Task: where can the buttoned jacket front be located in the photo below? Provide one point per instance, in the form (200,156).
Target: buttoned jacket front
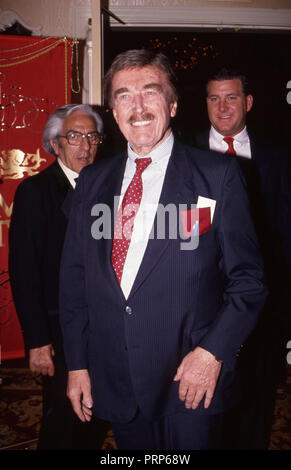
(209,296)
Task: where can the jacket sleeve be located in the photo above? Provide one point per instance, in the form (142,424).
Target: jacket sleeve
(241,267)
(27,235)
(72,297)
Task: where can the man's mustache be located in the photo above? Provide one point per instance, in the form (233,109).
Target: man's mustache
(141,117)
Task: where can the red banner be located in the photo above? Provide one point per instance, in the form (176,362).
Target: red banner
(35,79)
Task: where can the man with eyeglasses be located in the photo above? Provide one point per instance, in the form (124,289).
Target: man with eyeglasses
(38,224)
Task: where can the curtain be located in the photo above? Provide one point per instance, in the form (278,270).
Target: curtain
(35,79)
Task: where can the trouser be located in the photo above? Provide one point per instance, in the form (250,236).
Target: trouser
(180,431)
(60,427)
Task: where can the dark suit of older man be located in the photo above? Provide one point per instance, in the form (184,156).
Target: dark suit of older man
(154,350)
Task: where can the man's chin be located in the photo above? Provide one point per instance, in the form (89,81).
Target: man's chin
(83,163)
(224,130)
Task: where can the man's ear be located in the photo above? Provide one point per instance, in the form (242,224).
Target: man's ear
(173,108)
(55,145)
(114,115)
(250,101)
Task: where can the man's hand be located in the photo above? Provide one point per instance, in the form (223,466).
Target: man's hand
(198,374)
(79,393)
(41,360)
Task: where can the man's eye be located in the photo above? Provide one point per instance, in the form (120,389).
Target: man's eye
(213,99)
(72,135)
(124,97)
(232,97)
(149,92)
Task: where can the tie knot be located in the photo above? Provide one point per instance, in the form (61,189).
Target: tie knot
(142,164)
(229,141)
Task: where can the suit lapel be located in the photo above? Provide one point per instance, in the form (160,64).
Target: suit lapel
(62,181)
(64,188)
(179,177)
(110,189)
(67,203)
(202,141)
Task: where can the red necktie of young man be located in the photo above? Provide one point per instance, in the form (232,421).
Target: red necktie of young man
(229,141)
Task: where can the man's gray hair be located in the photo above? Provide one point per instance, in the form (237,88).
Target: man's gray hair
(137,58)
(54,124)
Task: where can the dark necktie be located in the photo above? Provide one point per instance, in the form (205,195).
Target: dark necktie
(125,218)
(229,141)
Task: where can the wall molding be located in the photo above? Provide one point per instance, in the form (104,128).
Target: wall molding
(9,17)
(81,15)
(201,17)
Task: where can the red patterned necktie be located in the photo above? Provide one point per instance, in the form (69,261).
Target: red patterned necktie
(229,141)
(125,218)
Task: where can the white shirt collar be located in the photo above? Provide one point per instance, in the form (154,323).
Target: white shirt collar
(241,142)
(70,174)
(159,153)
(242,137)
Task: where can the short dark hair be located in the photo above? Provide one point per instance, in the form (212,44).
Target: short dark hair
(226,73)
(137,58)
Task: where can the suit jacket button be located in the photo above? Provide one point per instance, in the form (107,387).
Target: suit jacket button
(128,310)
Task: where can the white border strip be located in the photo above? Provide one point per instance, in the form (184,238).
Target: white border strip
(252,18)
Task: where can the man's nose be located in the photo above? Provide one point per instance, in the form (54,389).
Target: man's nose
(85,143)
(138,102)
(222,105)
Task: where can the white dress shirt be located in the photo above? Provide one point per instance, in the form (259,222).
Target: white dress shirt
(70,174)
(153,179)
(241,143)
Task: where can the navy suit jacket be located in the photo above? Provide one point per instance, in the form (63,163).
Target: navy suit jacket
(268,175)
(210,296)
(36,236)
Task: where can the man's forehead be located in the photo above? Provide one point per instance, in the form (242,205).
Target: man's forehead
(228,85)
(79,119)
(131,74)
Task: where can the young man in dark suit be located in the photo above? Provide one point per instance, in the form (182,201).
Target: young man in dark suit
(153,317)
(38,224)
(267,172)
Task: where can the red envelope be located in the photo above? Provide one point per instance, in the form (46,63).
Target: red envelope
(191,217)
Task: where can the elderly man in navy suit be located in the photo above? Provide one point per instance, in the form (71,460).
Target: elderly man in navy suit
(37,231)
(267,172)
(154,317)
